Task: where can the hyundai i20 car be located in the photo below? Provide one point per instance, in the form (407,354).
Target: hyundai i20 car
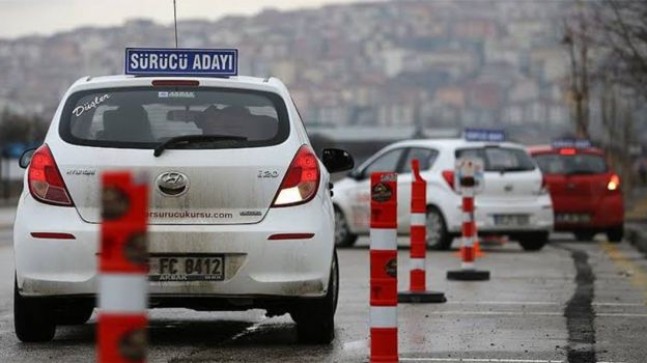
(514,201)
(586,193)
(232,178)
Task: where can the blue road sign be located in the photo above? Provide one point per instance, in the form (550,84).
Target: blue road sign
(182,62)
(571,143)
(491,135)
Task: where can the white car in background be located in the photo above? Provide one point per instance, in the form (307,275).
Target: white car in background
(234,184)
(514,201)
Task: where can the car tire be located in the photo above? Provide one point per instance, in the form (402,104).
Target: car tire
(315,319)
(76,314)
(343,236)
(34,319)
(584,236)
(436,234)
(533,241)
(616,234)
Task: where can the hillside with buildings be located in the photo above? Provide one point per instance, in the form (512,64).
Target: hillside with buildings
(405,64)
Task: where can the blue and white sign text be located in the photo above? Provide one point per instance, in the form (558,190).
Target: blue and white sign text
(182,62)
(571,143)
(490,135)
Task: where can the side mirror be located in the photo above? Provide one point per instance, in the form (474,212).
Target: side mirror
(337,160)
(25,158)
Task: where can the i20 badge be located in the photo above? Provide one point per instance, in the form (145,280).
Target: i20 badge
(172,183)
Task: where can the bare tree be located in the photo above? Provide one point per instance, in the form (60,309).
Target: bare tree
(616,110)
(577,39)
(623,32)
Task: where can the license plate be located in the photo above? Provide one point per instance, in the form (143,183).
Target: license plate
(511,219)
(187,268)
(572,218)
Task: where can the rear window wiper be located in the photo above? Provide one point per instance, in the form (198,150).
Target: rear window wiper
(188,139)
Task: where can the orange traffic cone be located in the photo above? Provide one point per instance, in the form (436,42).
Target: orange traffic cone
(477,250)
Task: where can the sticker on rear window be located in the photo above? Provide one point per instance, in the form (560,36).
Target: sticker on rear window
(175,94)
(79,110)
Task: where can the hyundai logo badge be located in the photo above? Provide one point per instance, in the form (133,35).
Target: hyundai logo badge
(172,183)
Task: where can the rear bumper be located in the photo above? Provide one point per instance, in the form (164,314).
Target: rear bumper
(254,265)
(607,212)
(539,211)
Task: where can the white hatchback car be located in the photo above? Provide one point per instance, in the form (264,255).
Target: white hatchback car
(514,201)
(232,175)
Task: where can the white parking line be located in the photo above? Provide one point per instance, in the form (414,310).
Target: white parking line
(539,303)
(620,315)
(530,313)
(479,360)
(619,304)
(485,360)
(491,313)
(543,303)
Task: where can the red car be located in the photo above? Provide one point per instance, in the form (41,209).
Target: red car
(586,193)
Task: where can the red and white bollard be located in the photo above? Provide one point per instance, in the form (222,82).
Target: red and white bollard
(123,270)
(468,271)
(384,268)
(418,252)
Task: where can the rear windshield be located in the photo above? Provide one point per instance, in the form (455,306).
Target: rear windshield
(144,117)
(571,164)
(500,158)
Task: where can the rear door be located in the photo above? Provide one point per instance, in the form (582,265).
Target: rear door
(227,171)
(577,179)
(510,175)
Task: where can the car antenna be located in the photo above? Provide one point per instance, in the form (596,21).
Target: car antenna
(175,20)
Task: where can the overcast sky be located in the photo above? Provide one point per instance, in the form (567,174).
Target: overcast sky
(44,17)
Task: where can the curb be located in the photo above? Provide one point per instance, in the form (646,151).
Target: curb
(637,236)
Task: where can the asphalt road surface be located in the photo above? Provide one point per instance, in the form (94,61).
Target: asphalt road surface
(571,302)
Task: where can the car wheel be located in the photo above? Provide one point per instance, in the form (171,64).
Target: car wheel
(34,319)
(437,236)
(76,314)
(315,319)
(585,236)
(616,234)
(533,241)
(343,236)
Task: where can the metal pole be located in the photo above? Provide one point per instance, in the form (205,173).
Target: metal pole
(175,20)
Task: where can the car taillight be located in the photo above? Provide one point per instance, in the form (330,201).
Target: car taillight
(44,179)
(448,175)
(301,181)
(614,183)
(567,151)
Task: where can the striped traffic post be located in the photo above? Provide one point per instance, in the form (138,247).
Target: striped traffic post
(466,171)
(123,270)
(418,292)
(384,268)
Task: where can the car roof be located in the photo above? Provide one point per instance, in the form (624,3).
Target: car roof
(548,149)
(452,143)
(116,81)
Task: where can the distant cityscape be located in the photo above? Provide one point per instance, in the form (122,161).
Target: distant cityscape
(400,64)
